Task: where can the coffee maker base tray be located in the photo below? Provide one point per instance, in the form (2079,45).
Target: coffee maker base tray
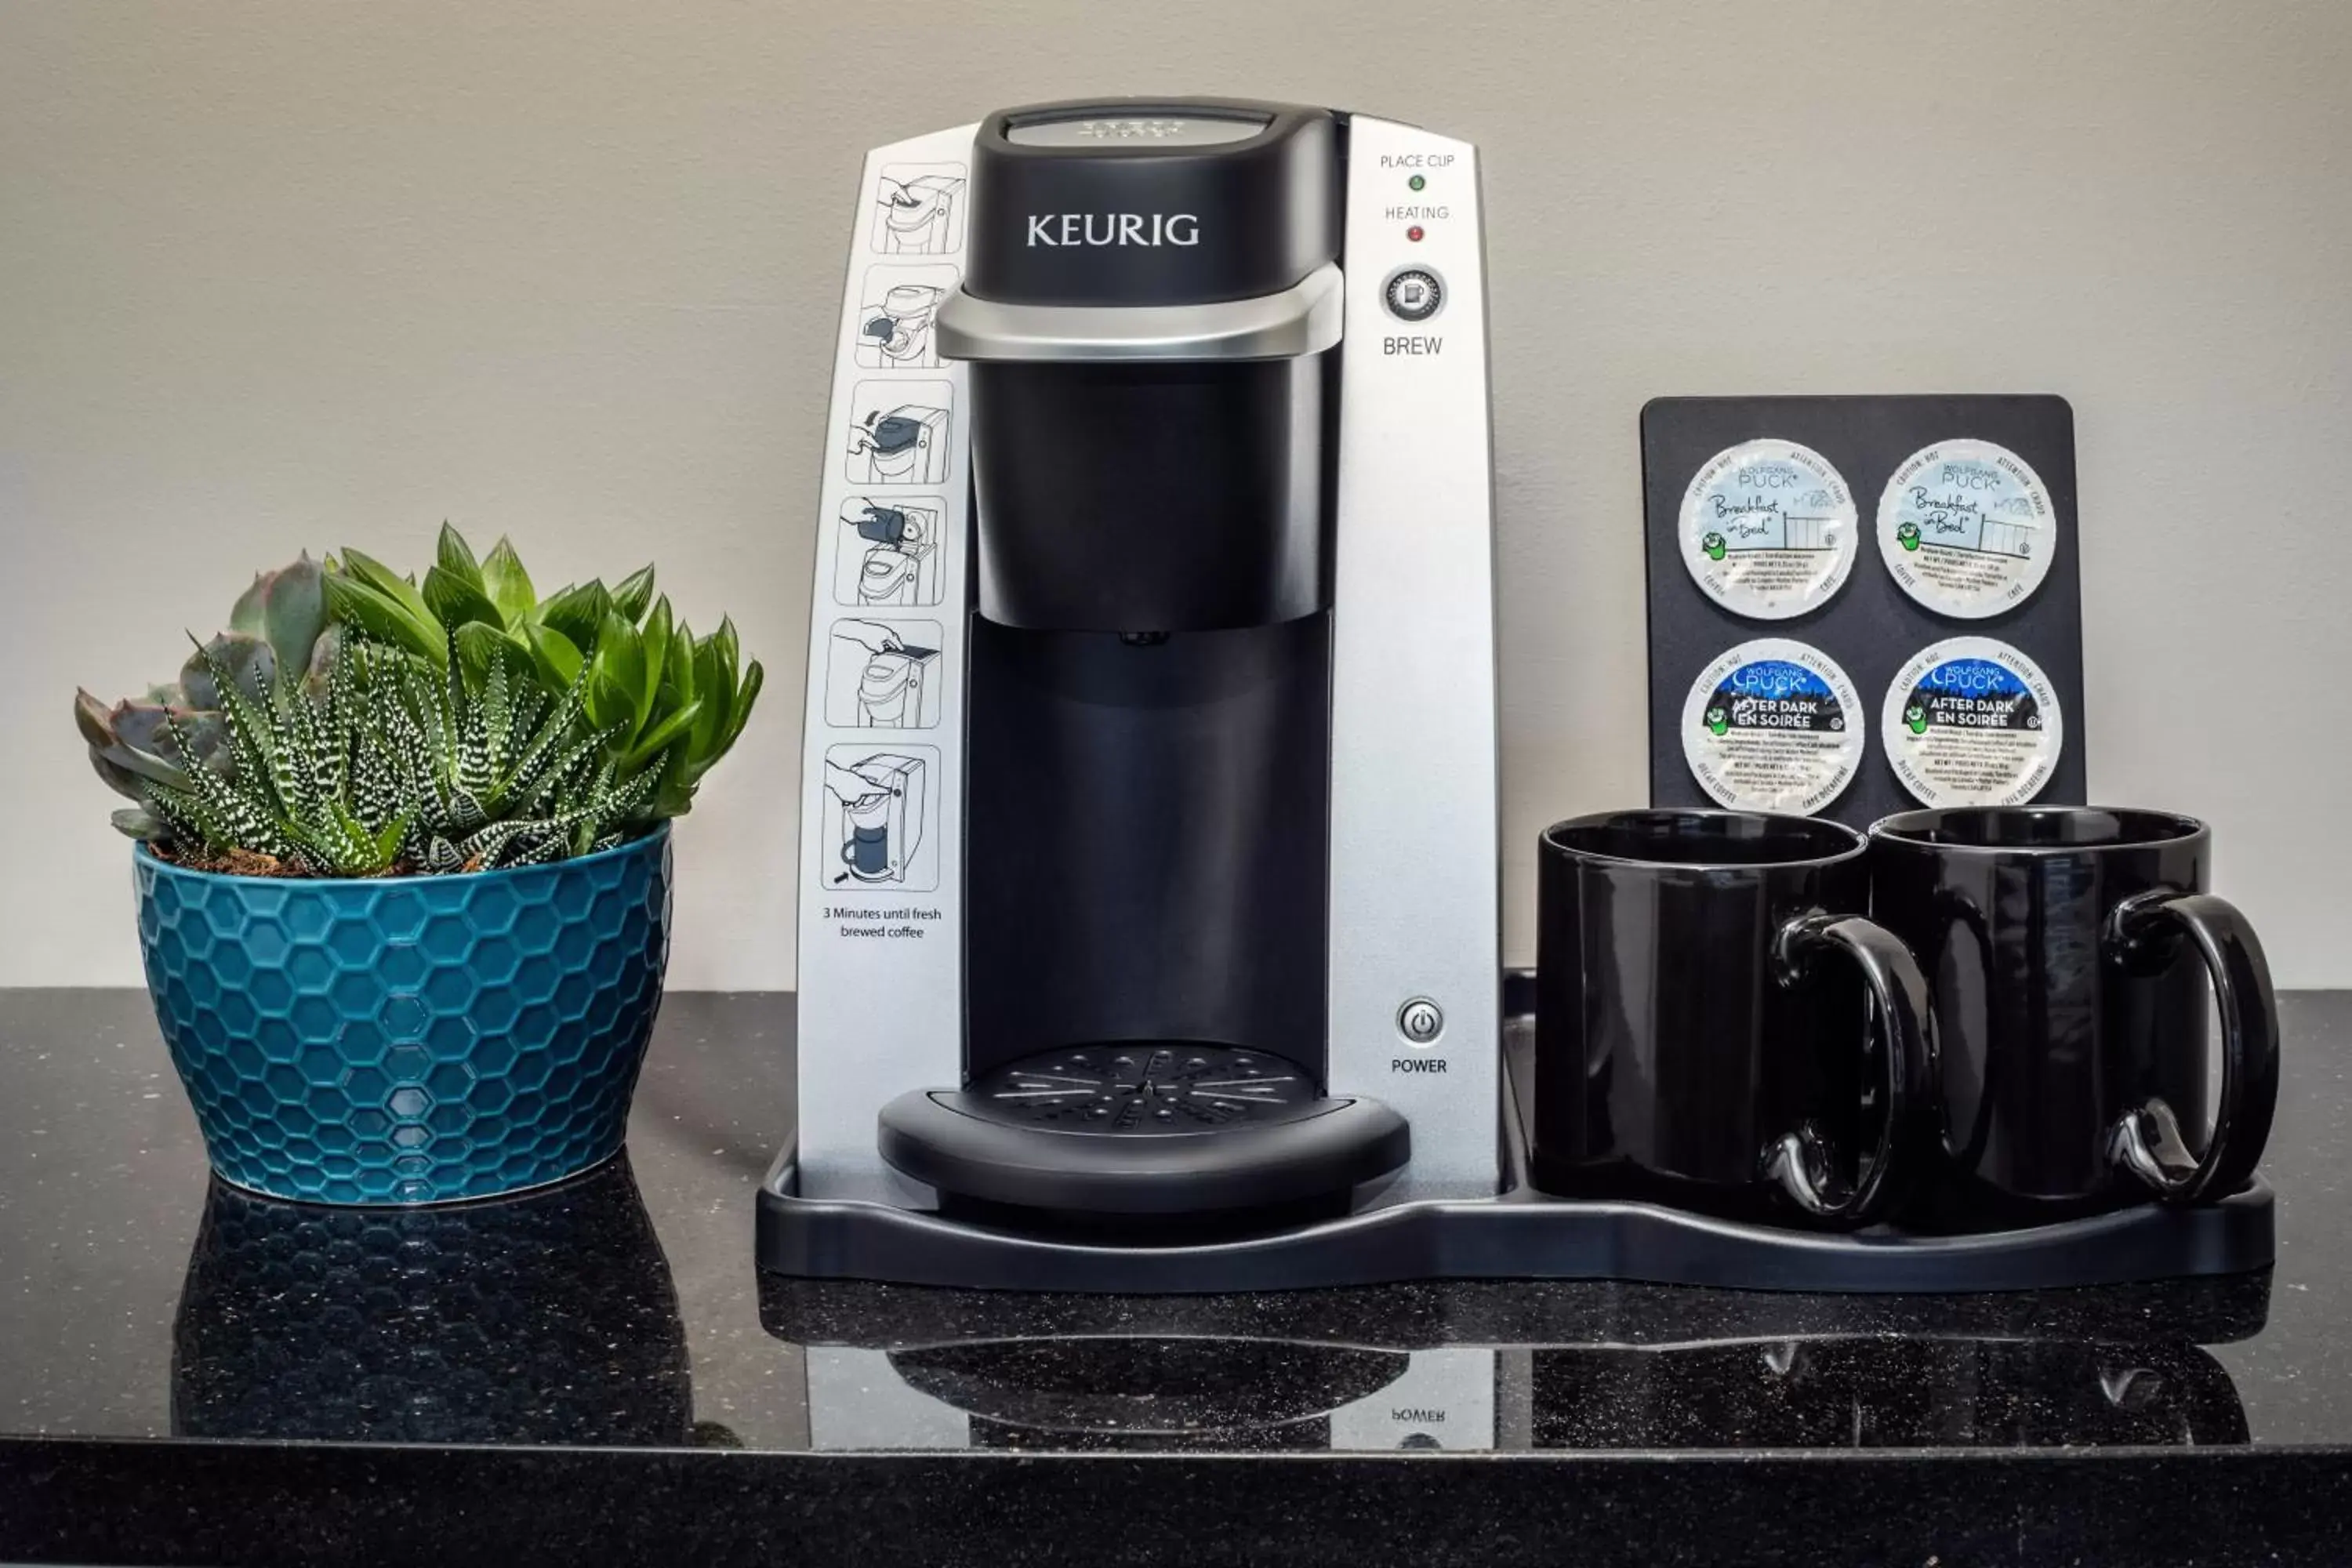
(1518,1235)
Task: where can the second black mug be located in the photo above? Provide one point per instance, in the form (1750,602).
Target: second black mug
(2067,949)
(1718,1026)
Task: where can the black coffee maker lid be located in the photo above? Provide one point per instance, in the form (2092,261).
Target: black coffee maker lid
(1151,201)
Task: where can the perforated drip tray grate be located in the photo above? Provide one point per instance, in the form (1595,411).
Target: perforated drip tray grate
(1172,1129)
(1145,1088)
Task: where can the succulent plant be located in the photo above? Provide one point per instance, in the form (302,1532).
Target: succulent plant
(351,721)
(394,765)
(279,623)
(666,700)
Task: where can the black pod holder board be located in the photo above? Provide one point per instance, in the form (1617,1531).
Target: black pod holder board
(1518,1233)
(1870,628)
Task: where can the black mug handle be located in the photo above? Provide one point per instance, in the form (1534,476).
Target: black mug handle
(2148,1140)
(1800,1158)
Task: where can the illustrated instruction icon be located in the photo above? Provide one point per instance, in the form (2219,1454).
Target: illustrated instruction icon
(883,675)
(900,433)
(895,318)
(877,818)
(918,209)
(889,552)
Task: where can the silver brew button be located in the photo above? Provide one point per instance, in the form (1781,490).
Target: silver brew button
(1413,294)
(1420,1021)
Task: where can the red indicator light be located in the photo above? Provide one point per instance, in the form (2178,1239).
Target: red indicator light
(1414,232)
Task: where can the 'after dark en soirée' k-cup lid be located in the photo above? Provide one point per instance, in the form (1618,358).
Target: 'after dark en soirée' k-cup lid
(1773,725)
(1971,722)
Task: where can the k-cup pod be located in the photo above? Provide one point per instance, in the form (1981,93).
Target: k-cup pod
(1972,721)
(1773,725)
(1768,529)
(1967,528)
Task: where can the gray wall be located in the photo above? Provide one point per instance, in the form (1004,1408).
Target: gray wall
(285,275)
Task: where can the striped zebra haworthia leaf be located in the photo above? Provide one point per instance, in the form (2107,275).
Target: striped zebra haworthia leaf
(394,766)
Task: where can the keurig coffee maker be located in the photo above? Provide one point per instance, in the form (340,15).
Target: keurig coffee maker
(1170,913)
(1155,946)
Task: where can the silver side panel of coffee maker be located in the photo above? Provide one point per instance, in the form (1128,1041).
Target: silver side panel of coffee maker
(880,892)
(1415,936)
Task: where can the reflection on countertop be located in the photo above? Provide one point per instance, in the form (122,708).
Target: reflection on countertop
(1495,1366)
(548,1318)
(622,1309)
(553,1318)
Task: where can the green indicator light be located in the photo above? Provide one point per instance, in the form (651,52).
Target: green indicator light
(1416,183)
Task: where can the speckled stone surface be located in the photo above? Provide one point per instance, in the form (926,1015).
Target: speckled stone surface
(596,1374)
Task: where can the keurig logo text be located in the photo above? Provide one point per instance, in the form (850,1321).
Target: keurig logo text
(1113,228)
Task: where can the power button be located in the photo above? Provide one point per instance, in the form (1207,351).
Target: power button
(1413,294)
(1420,1021)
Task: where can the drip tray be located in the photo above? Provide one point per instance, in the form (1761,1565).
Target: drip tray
(946,1138)
(1171,1129)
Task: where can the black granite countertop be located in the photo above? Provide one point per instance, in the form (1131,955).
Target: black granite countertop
(596,1372)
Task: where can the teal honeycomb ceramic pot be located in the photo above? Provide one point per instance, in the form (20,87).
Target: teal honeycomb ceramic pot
(409,1039)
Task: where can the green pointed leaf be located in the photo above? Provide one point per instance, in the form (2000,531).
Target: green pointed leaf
(673,798)
(745,696)
(657,646)
(678,666)
(616,681)
(660,737)
(612,701)
(635,591)
(479,645)
(507,585)
(388,843)
(557,655)
(578,612)
(364,605)
(718,698)
(136,822)
(452,555)
(729,656)
(384,580)
(455,602)
(345,840)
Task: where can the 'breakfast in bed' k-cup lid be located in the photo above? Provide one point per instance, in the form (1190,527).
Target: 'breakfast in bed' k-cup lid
(1773,725)
(1971,722)
(1768,529)
(1967,528)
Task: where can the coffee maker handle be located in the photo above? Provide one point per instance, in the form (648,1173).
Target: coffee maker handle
(1800,1160)
(2148,1141)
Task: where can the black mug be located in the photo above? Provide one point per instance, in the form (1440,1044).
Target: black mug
(1705,993)
(2068,950)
